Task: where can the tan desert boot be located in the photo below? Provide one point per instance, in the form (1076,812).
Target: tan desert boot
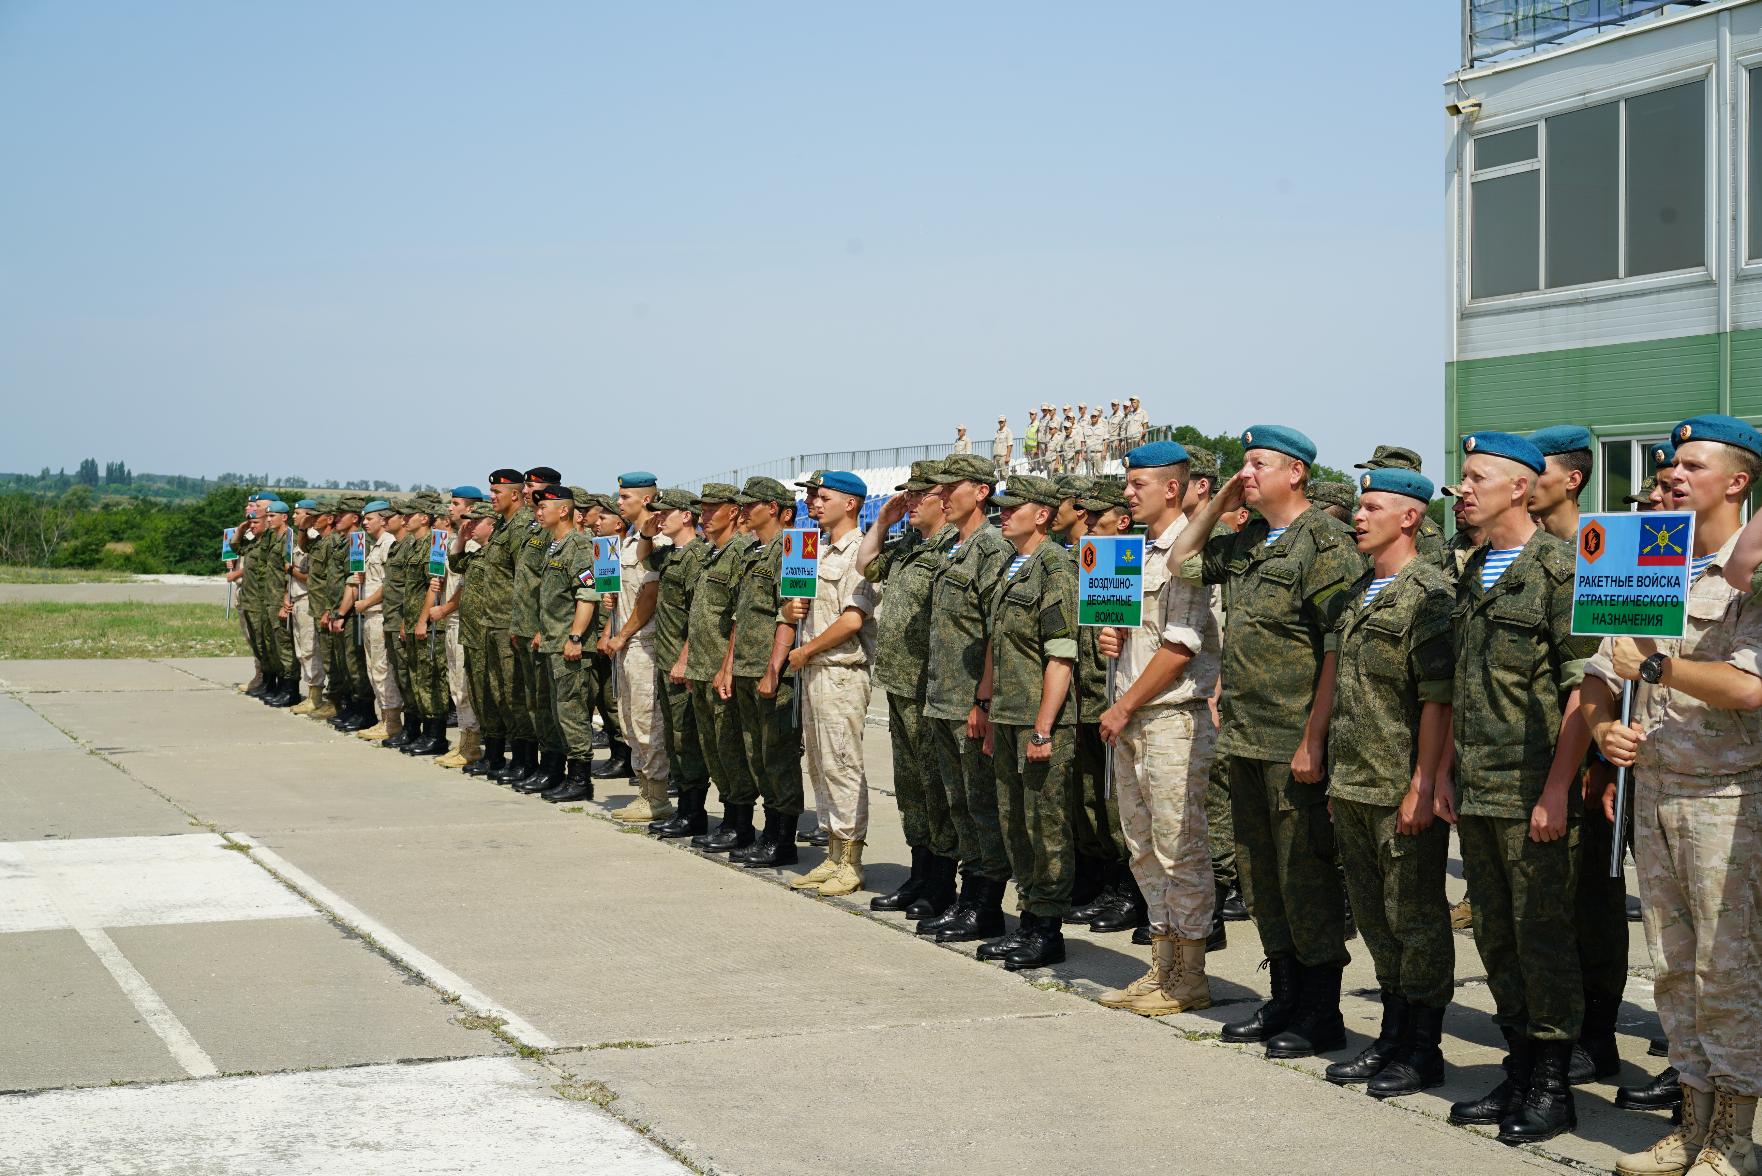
(326,708)
(651,805)
(1461,916)
(256,681)
(1672,1155)
(391,721)
(1120,998)
(1184,987)
(314,698)
(848,876)
(823,871)
(1728,1150)
(468,750)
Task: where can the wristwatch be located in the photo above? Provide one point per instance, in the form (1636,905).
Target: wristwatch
(1039,740)
(1652,669)
(575,638)
(983,704)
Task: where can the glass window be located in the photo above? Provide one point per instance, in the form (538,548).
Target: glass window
(1584,190)
(1492,151)
(1754,249)
(1507,231)
(1618,474)
(1666,180)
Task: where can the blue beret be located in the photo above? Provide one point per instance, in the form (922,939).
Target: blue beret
(1395,480)
(1155,455)
(1280,439)
(1723,429)
(277,506)
(1507,445)
(844,482)
(376,504)
(470,493)
(1556,439)
(306,504)
(1663,455)
(261,497)
(635,480)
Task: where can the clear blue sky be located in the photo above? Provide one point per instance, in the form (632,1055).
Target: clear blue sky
(417,241)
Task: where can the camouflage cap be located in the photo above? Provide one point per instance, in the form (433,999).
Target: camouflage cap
(673,498)
(403,505)
(762,489)
(482,510)
(965,467)
(715,492)
(432,505)
(351,503)
(598,498)
(1330,493)
(1201,462)
(1023,488)
(1643,496)
(1073,485)
(1104,494)
(1391,457)
(812,481)
(581,496)
(922,477)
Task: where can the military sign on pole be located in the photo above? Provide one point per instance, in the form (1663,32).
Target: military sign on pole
(1110,581)
(357,551)
(1632,580)
(227,554)
(608,573)
(799,578)
(438,542)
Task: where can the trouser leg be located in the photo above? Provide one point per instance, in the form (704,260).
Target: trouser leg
(1162,766)
(839,697)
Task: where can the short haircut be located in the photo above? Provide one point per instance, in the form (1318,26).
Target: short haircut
(1743,461)
(1579,461)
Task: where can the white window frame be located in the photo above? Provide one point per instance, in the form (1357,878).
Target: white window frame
(1624,285)
(1741,194)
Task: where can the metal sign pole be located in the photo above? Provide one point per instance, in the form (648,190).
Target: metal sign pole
(1113,670)
(1618,833)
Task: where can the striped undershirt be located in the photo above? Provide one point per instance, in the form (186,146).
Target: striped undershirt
(1497,562)
(1700,564)
(1272,535)
(1376,586)
(1015,565)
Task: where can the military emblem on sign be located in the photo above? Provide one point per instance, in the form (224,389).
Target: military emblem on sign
(1593,542)
(1664,544)
(1088,557)
(810,545)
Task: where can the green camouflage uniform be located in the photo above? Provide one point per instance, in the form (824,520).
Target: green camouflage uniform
(532,545)
(709,626)
(428,669)
(326,569)
(771,740)
(679,569)
(1516,663)
(1395,655)
(484,601)
(262,589)
(568,684)
(960,625)
(1220,823)
(1430,542)
(904,571)
(1284,603)
(405,579)
(1095,812)
(1033,622)
(354,633)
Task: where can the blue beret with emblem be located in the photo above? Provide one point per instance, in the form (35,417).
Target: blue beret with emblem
(378,504)
(277,506)
(1663,455)
(1557,439)
(1156,455)
(1723,429)
(469,493)
(1279,439)
(1395,480)
(636,480)
(1488,443)
(306,504)
(844,482)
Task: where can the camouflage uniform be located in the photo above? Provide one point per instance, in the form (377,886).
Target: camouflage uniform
(261,591)
(379,671)
(1395,655)
(1033,622)
(354,634)
(960,625)
(484,603)
(405,592)
(305,638)
(639,706)
(710,623)
(906,569)
(1094,447)
(428,653)
(678,570)
(1163,757)
(835,690)
(568,684)
(326,570)
(1095,810)
(1698,845)
(531,690)
(1283,602)
(1516,663)
(770,739)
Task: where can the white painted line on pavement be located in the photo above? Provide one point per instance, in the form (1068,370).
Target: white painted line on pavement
(420,963)
(192,1057)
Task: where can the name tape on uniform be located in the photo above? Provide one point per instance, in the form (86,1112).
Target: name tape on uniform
(357,551)
(1110,580)
(799,577)
(1632,578)
(608,573)
(438,541)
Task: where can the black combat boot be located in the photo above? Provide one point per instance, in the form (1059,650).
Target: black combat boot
(819,836)
(681,811)
(1594,1055)
(577,785)
(1318,1026)
(1271,1018)
(1041,947)
(736,831)
(689,818)
(1218,937)
(938,892)
(982,918)
(616,765)
(1102,899)
(407,733)
(1234,909)
(1420,1064)
(968,893)
(490,762)
(779,849)
(1492,1107)
(701,839)
(908,891)
(999,948)
(519,765)
(547,776)
(438,743)
(1128,910)
(1391,1039)
(261,688)
(1546,1109)
(760,841)
(288,695)
(452,716)
(1087,882)
(1663,1093)
(363,718)
(430,734)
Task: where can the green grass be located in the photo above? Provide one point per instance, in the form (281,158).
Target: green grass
(54,630)
(13,574)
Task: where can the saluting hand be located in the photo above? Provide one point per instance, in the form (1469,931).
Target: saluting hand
(1234,492)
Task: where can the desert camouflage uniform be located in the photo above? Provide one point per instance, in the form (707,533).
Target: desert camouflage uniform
(639,704)
(373,623)
(835,691)
(1395,655)
(305,636)
(1698,845)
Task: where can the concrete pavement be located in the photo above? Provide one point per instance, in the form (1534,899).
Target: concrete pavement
(193,885)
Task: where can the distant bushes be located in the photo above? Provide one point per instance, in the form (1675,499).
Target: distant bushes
(75,530)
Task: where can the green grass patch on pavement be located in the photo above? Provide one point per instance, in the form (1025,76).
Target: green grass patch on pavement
(132,629)
(13,574)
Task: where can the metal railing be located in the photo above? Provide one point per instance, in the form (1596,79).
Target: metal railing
(1492,29)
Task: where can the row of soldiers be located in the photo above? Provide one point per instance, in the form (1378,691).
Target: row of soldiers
(1082,443)
(1340,695)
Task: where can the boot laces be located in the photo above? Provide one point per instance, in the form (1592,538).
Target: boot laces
(1720,1128)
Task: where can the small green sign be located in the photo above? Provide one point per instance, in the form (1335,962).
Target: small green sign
(1110,581)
